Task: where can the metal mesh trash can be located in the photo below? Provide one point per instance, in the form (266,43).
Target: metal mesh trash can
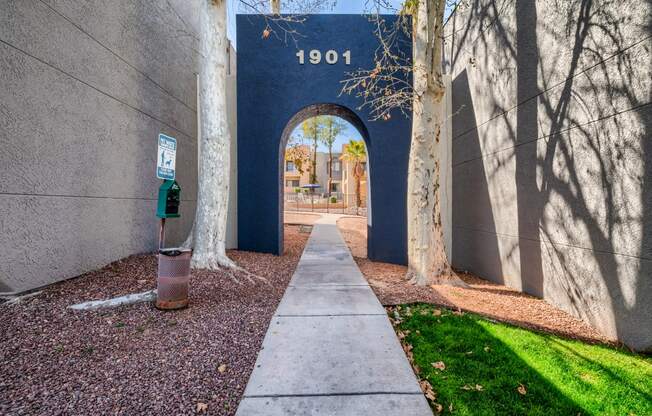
(173,278)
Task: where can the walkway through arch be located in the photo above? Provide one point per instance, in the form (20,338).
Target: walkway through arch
(304,114)
(276,91)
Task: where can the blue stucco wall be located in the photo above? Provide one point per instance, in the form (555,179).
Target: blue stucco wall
(273,87)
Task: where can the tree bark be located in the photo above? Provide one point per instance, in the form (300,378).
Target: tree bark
(427,261)
(214,159)
(358,200)
(313,173)
(330,170)
(276,6)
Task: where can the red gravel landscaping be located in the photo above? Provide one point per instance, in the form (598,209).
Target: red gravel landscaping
(137,359)
(483,297)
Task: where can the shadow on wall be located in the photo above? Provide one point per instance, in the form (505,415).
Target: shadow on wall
(644,291)
(564,97)
(471,191)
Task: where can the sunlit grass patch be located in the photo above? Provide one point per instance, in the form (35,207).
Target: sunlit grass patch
(480,367)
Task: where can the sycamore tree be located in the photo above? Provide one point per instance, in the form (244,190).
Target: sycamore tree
(313,130)
(208,234)
(383,89)
(333,126)
(297,153)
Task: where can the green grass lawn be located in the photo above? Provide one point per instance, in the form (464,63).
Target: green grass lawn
(486,363)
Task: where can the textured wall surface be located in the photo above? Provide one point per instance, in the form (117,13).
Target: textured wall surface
(552,154)
(85,89)
(231,98)
(273,89)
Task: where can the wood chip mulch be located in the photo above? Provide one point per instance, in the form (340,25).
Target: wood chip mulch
(300,218)
(137,359)
(492,300)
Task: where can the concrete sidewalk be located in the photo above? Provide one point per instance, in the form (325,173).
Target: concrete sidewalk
(330,349)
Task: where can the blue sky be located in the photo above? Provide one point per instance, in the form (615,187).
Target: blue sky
(340,7)
(349,133)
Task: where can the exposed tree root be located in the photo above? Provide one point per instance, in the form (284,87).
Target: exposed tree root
(224,263)
(449,279)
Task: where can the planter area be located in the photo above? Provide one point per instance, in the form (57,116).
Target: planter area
(136,359)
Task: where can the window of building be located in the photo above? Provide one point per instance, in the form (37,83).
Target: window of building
(335,187)
(292,183)
(336,166)
(289,166)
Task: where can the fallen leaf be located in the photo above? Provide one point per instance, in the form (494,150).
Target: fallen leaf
(201,407)
(450,408)
(266,33)
(221,368)
(468,352)
(521,389)
(439,365)
(427,389)
(478,387)
(437,312)
(486,348)
(438,407)
(407,348)
(466,387)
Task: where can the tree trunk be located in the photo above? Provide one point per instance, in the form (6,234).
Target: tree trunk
(358,200)
(330,170)
(427,262)
(276,7)
(214,159)
(313,173)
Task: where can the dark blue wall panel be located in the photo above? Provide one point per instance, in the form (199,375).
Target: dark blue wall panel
(273,87)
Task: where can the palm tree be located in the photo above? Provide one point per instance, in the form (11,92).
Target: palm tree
(356,152)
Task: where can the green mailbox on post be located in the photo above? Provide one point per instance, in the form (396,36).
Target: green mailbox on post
(169,197)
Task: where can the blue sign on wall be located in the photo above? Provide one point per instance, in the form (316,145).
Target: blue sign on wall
(281,84)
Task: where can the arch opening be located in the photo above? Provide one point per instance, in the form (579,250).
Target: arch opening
(272,102)
(314,178)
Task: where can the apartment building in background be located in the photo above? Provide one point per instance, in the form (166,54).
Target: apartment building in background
(294,179)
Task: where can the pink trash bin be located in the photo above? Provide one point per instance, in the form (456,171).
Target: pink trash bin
(173,278)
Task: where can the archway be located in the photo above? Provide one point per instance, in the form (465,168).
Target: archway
(311,111)
(276,90)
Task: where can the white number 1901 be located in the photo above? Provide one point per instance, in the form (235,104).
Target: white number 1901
(315,56)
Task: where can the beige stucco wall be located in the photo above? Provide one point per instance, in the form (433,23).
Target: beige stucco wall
(552,154)
(85,89)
